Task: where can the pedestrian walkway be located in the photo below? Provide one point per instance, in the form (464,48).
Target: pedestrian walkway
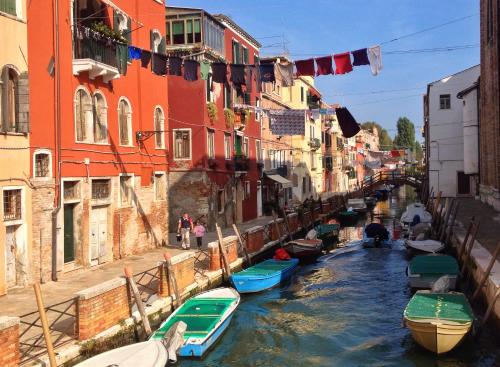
(22,301)
(489,219)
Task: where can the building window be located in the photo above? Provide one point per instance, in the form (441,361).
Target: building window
(159,122)
(8,6)
(9,100)
(210,95)
(211,144)
(220,201)
(100,114)
(155,41)
(159,186)
(125,122)
(12,205)
(313,160)
(178,36)
(246,152)
(126,189)
(310,183)
(444,102)
(91,121)
(227,146)
(83,114)
(303,185)
(247,189)
(186,31)
(71,190)
(182,144)
(302,94)
(101,189)
(236,52)
(227,96)
(42,165)
(257,110)
(258,151)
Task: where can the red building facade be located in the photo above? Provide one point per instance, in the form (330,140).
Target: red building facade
(215,139)
(99,147)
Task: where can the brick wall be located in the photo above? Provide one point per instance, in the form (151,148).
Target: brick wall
(9,341)
(183,266)
(231,246)
(276,229)
(255,239)
(101,307)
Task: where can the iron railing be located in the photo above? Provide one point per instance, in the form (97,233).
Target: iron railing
(89,48)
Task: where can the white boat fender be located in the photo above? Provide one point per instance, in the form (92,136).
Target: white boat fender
(312,234)
(174,339)
(442,285)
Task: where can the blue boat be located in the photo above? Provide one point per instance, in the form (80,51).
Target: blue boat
(264,275)
(206,315)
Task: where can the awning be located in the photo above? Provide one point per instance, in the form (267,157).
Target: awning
(280,179)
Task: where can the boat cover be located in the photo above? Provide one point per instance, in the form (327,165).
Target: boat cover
(426,245)
(442,306)
(416,209)
(434,264)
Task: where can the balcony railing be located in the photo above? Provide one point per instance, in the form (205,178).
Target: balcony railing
(241,163)
(88,48)
(314,143)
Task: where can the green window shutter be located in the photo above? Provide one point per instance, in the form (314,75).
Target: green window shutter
(128,33)
(8,6)
(116,21)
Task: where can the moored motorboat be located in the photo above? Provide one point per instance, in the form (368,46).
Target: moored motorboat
(327,232)
(206,315)
(376,242)
(264,275)
(370,201)
(424,270)
(304,248)
(438,321)
(348,217)
(358,205)
(424,246)
(413,210)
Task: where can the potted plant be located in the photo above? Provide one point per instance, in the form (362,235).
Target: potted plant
(246,114)
(229,117)
(105,30)
(212,111)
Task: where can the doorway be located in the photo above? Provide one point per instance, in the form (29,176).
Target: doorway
(69,233)
(98,234)
(10,256)
(239,201)
(463,184)
(259,198)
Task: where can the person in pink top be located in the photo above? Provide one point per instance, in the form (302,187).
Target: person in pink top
(199,232)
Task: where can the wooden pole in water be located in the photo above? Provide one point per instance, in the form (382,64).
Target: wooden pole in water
(285,218)
(171,278)
(487,272)
(468,250)
(466,238)
(435,205)
(45,325)
(140,306)
(227,267)
(447,232)
(277,226)
(450,205)
(242,244)
(490,307)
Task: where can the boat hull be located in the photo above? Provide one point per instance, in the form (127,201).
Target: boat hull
(304,250)
(424,247)
(252,284)
(418,281)
(437,336)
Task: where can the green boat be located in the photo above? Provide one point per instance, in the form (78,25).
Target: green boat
(424,270)
(348,217)
(438,321)
(325,231)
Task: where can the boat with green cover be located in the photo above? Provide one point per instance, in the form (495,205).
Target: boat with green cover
(424,270)
(438,321)
(348,217)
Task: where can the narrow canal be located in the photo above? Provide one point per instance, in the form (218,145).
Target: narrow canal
(345,310)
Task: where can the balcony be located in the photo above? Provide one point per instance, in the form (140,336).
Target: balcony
(97,57)
(282,171)
(241,163)
(314,144)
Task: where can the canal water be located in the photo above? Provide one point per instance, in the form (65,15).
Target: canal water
(345,310)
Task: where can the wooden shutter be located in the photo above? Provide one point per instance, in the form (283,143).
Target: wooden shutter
(162,47)
(128,33)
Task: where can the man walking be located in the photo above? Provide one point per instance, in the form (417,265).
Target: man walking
(185,226)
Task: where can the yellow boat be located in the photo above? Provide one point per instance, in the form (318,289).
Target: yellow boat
(438,321)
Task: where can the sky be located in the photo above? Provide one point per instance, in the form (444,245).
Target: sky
(316,28)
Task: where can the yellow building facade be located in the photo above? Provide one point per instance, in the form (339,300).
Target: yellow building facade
(15,192)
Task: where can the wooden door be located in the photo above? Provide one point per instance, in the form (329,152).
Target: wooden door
(259,198)
(98,234)
(463,184)
(69,234)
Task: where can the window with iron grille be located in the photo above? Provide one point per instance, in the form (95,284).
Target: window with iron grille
(159,182)
(182,144)
(125,122)
(100,189)
(12,205)
(126,190)
(71,190)
(42,161)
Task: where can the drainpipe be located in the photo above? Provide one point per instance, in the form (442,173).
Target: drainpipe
(478,99)
(57,196)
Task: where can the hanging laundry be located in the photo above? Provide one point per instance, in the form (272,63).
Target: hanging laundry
(205,69)
(219,72)
(175,66)
(122,57)
(191,70)
(145,58)
(324,66)
(237,74)
(249,78)
(159,64)
(360,57)
(305,67)
(375,57)
(267,73)
(347,123)
(284,72)
(134,53)
(343,63)
(287,122)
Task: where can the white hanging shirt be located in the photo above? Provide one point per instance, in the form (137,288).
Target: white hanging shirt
(375,57)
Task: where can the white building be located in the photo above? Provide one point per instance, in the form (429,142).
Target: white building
(451,118)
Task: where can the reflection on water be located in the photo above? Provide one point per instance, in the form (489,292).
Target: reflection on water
(345,310)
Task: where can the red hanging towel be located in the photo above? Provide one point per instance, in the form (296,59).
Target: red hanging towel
(343,63)
(281,254)
(305,67)
(324,66)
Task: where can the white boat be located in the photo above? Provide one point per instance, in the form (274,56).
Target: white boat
(427,246)
(358,205)
(424,270)
(416,209)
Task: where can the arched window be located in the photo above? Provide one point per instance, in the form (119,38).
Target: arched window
(100,113)
(9,99)
(159,120)
(125,122)
(83,115)
(155,41)
(42,163)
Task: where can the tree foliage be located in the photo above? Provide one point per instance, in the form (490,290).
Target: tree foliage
(419,153)
(405,138)
(384,139)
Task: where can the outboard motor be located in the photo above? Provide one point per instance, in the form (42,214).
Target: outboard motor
(377,241)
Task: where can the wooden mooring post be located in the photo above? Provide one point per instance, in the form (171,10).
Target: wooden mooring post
(487,272)
(468,248)
(466,238)
(138,300)
(277,226)
(45,325)
(227,266)
(242,244)
(171,279)
(287,224)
